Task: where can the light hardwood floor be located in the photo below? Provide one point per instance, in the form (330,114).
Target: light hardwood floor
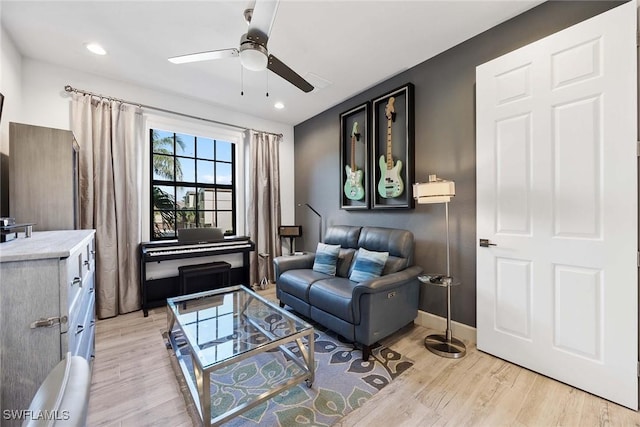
(134,385)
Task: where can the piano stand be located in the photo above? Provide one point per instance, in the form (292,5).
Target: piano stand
(160,264)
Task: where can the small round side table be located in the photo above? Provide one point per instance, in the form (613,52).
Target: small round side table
(444,345)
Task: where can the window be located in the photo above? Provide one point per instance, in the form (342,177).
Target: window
(192,183)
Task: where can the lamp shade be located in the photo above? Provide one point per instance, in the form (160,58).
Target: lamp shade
(434,191)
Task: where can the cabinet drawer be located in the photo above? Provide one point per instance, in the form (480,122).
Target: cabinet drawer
(88,257)
(85,342)
(82,309)
(85,286)
(82,329)
(74,276)
(80,273)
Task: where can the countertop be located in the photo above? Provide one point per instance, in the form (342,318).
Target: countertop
(43,245)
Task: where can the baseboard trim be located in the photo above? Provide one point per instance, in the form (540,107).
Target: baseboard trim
(459,330)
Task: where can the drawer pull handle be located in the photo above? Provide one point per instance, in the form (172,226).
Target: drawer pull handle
(77,281)
(48,322)
(87,263)
(79,329)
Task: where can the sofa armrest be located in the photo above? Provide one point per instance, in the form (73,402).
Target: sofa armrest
(387,282)
(383,305)
(293,262)
(377,287)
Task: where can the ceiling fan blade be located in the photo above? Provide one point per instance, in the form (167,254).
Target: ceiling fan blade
(278,67)
(205,56)
(264,13)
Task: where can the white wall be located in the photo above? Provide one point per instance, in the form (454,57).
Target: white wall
(45,103)
(10,81)
(10,87)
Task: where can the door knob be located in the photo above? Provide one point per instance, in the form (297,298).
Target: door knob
(484,243)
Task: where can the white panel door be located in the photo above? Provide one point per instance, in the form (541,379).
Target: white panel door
(557,195)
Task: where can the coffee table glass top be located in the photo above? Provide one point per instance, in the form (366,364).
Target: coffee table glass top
(223,324)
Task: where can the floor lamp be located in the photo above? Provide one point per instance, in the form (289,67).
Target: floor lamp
(440,191)
(319,218)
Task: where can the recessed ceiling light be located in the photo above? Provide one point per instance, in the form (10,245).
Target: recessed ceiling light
(96,48)
(279,105)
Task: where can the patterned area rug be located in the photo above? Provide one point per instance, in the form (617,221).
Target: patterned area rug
(343,382)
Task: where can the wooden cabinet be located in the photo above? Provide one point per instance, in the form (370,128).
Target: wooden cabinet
(47,308)
(43,177)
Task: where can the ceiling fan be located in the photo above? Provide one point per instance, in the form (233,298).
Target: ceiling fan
(253,51)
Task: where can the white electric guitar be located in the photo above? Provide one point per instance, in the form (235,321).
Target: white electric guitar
(353,188)
(390,184)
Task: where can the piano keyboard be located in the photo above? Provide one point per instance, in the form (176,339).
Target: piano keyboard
(191,250)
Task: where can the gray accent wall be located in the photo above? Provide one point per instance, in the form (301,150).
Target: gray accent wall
(444,145)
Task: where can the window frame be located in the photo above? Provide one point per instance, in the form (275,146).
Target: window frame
(237,186)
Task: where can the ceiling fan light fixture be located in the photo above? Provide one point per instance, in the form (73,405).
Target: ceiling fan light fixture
(253,57)
(253,52)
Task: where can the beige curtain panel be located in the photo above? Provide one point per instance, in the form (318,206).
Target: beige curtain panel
(263,216)
(111,137)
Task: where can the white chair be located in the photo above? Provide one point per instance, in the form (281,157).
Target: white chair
(62,399)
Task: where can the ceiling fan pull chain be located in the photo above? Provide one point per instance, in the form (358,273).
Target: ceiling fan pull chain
(267,73)
(241,80)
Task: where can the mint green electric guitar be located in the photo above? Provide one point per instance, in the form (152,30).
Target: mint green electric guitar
(353,188)
(390,184)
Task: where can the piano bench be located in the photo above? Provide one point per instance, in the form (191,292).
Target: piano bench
(187,273)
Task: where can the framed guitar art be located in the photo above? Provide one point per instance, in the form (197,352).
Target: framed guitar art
(354,158)
(392,161)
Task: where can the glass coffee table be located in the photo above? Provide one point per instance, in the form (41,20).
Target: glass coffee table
(215,329)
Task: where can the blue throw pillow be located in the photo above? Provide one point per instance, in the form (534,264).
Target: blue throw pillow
(368,265)
(326,259)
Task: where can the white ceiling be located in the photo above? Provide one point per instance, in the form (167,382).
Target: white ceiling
(353,44)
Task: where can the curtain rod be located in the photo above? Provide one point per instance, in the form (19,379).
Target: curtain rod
(69,88)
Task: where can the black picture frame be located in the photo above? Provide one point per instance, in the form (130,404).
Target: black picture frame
(402,138)
(354,151)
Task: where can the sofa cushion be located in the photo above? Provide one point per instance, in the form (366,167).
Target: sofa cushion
(344,235)
(399,243)
(344,262)
(297,282)
(367,265)
(333,295)
(326,259)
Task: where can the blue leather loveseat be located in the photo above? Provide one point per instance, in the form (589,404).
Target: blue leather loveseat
(363,312)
